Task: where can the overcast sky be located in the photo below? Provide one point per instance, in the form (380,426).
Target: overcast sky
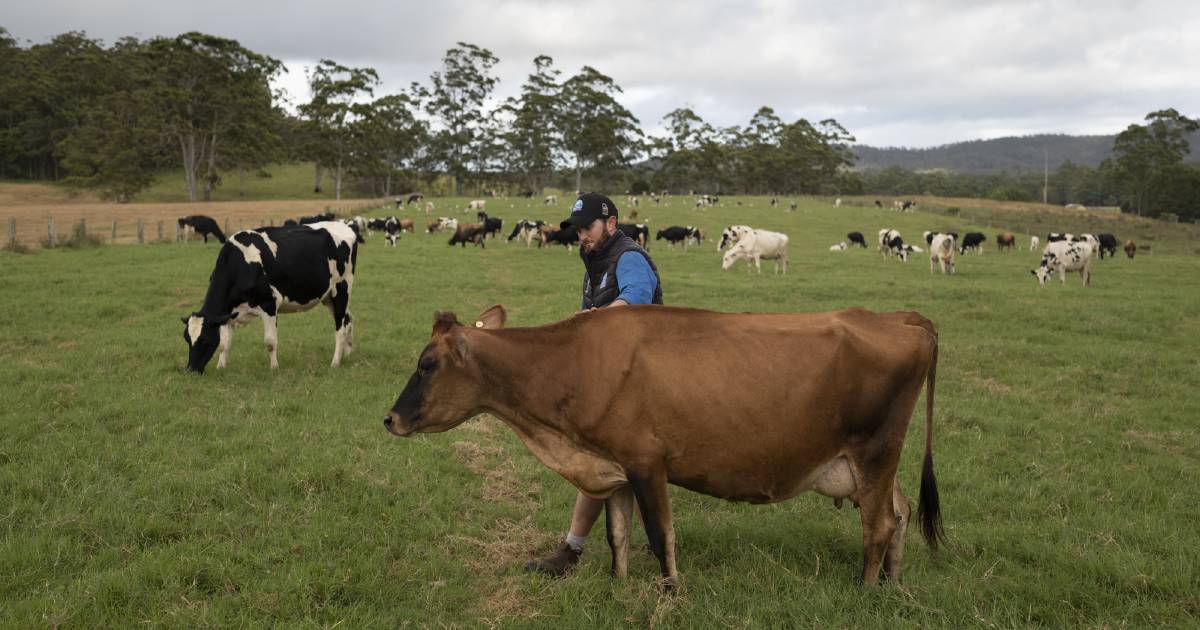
(894,74)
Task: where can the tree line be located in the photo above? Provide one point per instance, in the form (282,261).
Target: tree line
(111,118)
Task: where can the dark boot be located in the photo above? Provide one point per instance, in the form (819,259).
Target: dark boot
(556,564)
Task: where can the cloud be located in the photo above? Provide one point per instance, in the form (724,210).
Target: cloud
(914,74)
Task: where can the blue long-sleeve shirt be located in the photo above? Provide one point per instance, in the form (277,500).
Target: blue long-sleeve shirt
(635,279)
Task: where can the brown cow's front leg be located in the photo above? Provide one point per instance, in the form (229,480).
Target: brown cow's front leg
(655,503)
(618,513)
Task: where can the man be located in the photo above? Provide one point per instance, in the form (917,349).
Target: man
(617,271)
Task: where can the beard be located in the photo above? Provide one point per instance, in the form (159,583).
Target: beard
(599,244)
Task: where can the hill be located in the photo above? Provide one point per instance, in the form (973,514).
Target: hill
(1013,155)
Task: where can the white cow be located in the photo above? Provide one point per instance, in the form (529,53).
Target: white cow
(1090,240)
(475,204)
(428,208)
(1033,243)
(1064,256)
(840,247)
(941,252)
(550,200)
(757,245)
(837,203)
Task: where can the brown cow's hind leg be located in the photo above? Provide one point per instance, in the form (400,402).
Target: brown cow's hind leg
(618,512)
(655,505)
(879,524)
(895,550)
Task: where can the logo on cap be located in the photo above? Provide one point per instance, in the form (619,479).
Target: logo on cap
(578,206)
(604,209)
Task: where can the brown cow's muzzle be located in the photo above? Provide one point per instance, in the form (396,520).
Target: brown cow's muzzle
(397,426)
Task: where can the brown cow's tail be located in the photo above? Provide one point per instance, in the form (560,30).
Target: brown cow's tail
(929,509)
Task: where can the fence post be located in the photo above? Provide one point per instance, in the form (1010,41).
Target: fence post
(241,225)
(114,231)
(271,222)
(141,232)
(12,232)
(226,226)
(178,233)
(83,228)
(50,230)
(160,230)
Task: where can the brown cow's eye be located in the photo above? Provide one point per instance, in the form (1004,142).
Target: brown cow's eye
(425,367)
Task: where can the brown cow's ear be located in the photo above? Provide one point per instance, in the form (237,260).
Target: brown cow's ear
(443,322)
(458,350)
(494,317)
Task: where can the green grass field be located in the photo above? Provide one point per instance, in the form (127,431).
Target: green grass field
(134,494)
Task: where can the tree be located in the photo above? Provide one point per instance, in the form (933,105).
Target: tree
(332,113)
(205,86)
(1142,152)
(597,130)
(387,140)
(532,141)
(455,102)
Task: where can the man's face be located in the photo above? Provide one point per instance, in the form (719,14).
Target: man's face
(593,236)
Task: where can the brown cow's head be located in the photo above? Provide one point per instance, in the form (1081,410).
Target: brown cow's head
(444,391)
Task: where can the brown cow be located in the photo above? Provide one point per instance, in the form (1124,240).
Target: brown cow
(1006,241)
(468,233)
(406,225)
(742,406)
(1130,248)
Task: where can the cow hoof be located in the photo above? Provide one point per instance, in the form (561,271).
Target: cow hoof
(669,585)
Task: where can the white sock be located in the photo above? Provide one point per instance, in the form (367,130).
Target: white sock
(576,542)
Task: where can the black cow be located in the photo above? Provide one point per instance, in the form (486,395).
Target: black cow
(317,218)
(1108,243)
(566,238)
(675,234)
(856,238)
(972,240)
(203,226)
(491,226)
(378,224)
(273,270)
(636,231)
(415,198)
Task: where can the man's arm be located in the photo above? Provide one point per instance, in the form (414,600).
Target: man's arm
(635,280)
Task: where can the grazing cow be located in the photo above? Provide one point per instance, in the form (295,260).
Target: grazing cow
(856,238)
(695,235)
(273,270)
(879,204)
(896,246)
(675,234)
(378,224)
(1006,241)
(840,247)
(317,218)
(1064,256)
(1130,248)
(428,208)
(1108,243)
(886,236)
(491,226)
(1058,237)
(415,198)
(468,233)
(972,240)
(1090,240)
(792,206)
(639,232)
(757,245)
(526,230)
(837,203)
(476,204)
(202,225)
(731,234)
(941,252)
(551,235)
(442,223)
(392,228)
(550,199)
(772,405)
(1033,243)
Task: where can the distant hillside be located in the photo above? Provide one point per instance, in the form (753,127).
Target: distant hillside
(1011,155)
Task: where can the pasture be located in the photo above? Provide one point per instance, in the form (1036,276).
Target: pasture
(133,493)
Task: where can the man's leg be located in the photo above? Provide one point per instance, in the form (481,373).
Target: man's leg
(584,516)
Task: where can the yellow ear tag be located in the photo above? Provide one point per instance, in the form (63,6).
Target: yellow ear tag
(479,324)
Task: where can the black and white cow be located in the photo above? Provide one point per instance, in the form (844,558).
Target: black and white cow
(929,236)
(378,224)
(1108,243)
(1056,237)
(856,238)
(491,226)
(526,230)
(639,232)
(731,235)
(269,271)
(415,198)
(202,225)
(886,236)
(972,240)
(675,234)
(317,218)
(1064,256)
(391,226)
